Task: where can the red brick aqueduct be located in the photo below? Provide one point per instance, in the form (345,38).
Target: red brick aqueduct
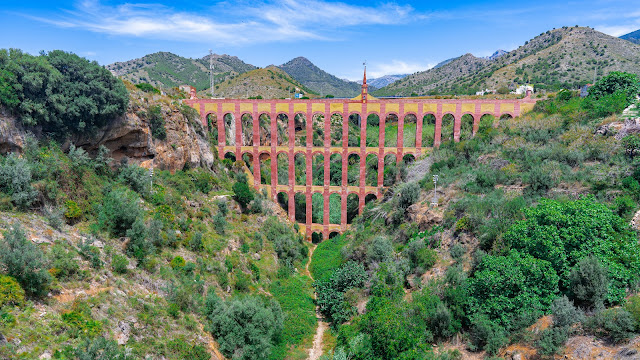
(362,106)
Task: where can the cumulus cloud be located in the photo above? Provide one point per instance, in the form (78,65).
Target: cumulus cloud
(396,67)
(240,23)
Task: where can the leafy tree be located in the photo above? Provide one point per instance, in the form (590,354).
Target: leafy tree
(245,328)
(139,245)
(563,233)
(25,262)
(15,180)
(242,192)
(409,194)
(119,210)
(330,293)
(627,83)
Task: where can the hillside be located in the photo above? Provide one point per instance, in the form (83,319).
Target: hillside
(166,70)
(270,83)
(634,37)
(319,80)
(377,83)
(566,57)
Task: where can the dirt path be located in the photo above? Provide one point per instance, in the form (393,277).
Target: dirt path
(316,350)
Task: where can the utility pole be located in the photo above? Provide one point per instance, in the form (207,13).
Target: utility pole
(211,79)
(434,202)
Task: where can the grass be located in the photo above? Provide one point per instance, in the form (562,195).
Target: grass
(327,257)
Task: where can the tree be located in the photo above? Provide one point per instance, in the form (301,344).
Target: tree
(15,180)
(242,192)
(631,145)
(616,81)
(588,283)
(25,262)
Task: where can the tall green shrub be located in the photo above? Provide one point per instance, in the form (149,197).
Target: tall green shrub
(25,262)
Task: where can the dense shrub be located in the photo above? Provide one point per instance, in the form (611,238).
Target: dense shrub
(242,192)
(288,245)
(99,348)
(588,283)
(25,262)
(615,324)
(551,340)
(408,194)
(563,233)
(487,335)
(564,313)
(136,177)
(15,181)
(64,262)
(119,211)
(119,263)
(156,122)
(624,83)
(379,250)
(10,292)
(245,328)
(139,245)
(330,293)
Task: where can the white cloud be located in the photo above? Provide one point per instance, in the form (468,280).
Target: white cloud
(396,67)
(618,30)
(278,20)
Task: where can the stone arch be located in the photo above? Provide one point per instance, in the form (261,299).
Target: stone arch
(334,209)
(486,121)
(318,129)
(300,126)
(317,208)
(247,129)
(371,170)
(391,130)
(265,168)
(230,129)
(335,129)
(282,128)
(390,170)
(300,169)
(355,122)
(316,237)
(283,169)
(264,129)
(369,198)
(333,234)
(408,159)
(212,126)
(282,198)
(353,207)
(466,127)
(353,169)
(317,169)
(335,170)
(428,130)
(409,131)
(247,157)
(506,117)
(300,202)
(230,155)
(373,130)
(448,122)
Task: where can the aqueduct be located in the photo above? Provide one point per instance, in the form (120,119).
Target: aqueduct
(340,132)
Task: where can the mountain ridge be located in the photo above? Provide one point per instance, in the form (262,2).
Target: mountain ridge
(318,80)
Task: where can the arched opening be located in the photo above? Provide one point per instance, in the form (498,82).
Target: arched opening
(283,130)
(391,131)
(300,201)
(300,123)
(265,129)
(505,118)
(486,122)
(409,131)
(316,237)
(390,170)
(353,170)
(334,209)
(230,129)
(466,127)
(428,130)
(335,170)
(369,198)
(247,129)
(300,169)
(333,234)
(373,130)
(317,208)
(318,170)
(408,159)
(230,156)
(371,177)
(283,169)
(353,201)
(446,132)
(355,122)
(248,161)
(318,130)
(336,130)
(283,201)
(212,125)
(265,169)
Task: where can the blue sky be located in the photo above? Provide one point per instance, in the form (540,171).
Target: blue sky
(393,37)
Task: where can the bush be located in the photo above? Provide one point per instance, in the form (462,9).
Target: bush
(616,81)
(245,328)
(119,263)
(457,251)
(73,211)
(15,181)
(287,244)
(379,250)
(156,122)
(330,293)
(552,339)
(25,262)
(137,178)
(119,211)
(485,334)
(633,307)
(177,263)
(146,87)
(139,245)
(100,348)
(10,292)
(615,324)
(242,192)
(64,262)
(564,313)
(408,194)
(588,283)
(420,256)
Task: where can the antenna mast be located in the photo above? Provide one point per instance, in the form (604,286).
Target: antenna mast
(211,79)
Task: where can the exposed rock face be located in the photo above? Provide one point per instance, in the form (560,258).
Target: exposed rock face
(130,136)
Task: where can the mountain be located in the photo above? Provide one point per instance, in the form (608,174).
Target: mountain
(383,81)
(559,58)
(319,80)
(164,69)
(634,37)
(270,83)
(496,54)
